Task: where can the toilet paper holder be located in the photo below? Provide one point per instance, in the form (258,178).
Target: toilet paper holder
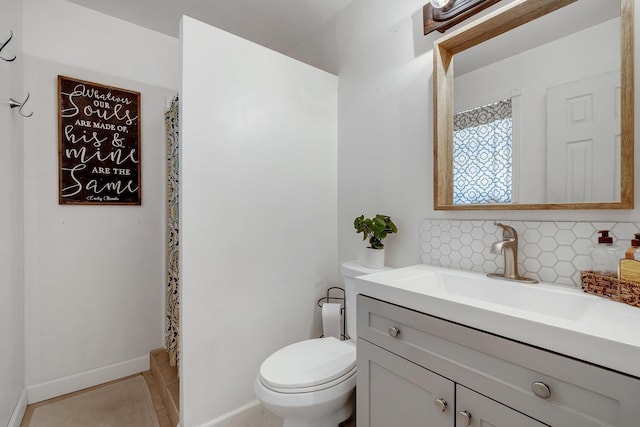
(343,301)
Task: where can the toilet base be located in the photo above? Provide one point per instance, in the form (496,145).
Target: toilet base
(321,408)
(333,420)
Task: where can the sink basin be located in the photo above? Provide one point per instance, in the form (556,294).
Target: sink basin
(502,295)
(539,298)
(554,317)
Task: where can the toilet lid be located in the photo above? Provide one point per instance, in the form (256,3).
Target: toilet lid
(308,363)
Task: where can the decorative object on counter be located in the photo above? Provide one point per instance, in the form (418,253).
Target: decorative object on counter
(633,252)
(376,229)
(98,144)
(441,15)
(20,105)
(629,270)
(630,264)
(604,255)
(3,45)
(611,287)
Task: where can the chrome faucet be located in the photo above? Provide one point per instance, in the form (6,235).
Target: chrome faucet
(508,246)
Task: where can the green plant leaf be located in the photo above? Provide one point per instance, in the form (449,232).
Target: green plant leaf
(376,229)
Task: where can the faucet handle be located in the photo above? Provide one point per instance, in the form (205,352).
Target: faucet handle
(508,232)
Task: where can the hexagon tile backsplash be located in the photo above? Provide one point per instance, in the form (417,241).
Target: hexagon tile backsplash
(549,251)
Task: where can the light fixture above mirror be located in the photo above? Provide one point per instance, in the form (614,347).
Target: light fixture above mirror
(439,4)
(441,15)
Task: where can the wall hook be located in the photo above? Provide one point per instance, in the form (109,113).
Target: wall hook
(15,104)
(2,46)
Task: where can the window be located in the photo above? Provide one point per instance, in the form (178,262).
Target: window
(482,154)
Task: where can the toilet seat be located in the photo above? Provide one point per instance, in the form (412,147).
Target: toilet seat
(310,365)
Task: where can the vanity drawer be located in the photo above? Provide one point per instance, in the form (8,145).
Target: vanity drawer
(581,394)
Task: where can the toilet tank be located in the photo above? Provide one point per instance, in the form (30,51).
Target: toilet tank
(351,270)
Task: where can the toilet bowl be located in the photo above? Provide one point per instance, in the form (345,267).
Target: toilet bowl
(311,383)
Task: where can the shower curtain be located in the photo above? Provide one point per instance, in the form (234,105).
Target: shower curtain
(172,326)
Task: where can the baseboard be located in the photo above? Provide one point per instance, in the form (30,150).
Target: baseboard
(18,412)
(82,380)
(248,414)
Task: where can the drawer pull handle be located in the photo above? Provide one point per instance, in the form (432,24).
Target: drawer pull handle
(441,404)
(464,418)
(541,389)
(394,331)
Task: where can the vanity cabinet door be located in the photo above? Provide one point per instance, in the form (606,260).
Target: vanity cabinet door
(476,410)
(391,391)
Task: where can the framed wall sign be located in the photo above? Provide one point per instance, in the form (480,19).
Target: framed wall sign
(98,144)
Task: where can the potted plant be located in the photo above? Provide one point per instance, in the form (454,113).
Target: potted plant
(376,229)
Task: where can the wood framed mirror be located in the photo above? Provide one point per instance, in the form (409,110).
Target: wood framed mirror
(568,158)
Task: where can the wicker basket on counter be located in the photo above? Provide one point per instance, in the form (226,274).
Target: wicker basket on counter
(611,287)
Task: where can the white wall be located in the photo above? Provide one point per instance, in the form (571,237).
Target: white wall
(11,225)
(384,125)
(94,275)
(258,220)
(385,132)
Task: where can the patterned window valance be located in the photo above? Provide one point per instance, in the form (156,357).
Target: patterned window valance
(482,151)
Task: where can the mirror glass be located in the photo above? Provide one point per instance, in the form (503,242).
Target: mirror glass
(534,114)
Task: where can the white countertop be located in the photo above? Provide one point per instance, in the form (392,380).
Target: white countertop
(561,319)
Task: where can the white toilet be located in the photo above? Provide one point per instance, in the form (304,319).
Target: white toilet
(311,383)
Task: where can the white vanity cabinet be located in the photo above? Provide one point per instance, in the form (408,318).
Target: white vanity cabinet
(410,364)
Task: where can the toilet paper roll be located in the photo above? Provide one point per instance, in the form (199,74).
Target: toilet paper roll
(331,319)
